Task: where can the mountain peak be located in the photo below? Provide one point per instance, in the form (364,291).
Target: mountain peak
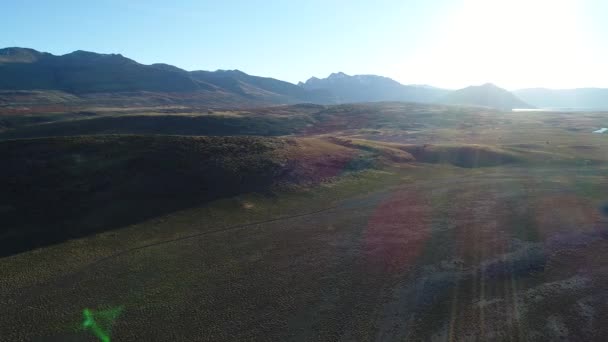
(88,55)
(485,87)
(235,72)
(369,88)
(339,74)
(17,50)
(19,55)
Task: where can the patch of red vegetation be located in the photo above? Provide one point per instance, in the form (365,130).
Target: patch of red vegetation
(34,109)
(481,227)
(314,161)
(397,232)
(339,122)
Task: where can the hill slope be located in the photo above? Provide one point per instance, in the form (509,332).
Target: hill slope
(60,188)
(487,95)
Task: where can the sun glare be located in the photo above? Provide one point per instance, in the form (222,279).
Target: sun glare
(515,43)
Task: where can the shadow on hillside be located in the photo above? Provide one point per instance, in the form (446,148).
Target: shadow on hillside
(162,124)
(55,189)
(467,156)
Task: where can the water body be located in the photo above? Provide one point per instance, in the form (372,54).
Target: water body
(558,109)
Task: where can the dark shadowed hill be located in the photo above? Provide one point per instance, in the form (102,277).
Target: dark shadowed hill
(82,72)
(487,95)
(75,186)
(371,88)
(59,188)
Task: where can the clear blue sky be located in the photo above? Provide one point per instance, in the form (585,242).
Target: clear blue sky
(448,43)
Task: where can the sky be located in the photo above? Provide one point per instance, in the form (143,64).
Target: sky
(445,43)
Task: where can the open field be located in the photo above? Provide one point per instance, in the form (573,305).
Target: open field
(362,222)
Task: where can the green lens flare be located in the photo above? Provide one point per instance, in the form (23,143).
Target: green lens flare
(100,322)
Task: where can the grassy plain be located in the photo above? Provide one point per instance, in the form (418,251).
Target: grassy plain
(393,222)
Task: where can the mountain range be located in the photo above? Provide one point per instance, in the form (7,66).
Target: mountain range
(90,76)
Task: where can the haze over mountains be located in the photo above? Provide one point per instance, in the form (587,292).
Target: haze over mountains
(583,98)
(91,76)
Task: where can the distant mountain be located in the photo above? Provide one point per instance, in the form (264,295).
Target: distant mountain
(82,72)
(487,95)
(85,73)
(370,88)
(582,98)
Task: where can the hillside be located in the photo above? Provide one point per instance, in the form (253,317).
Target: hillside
(370,88)
(61,188)
(487,95)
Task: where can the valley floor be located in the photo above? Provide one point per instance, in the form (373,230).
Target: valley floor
(413,254)
(421,226)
